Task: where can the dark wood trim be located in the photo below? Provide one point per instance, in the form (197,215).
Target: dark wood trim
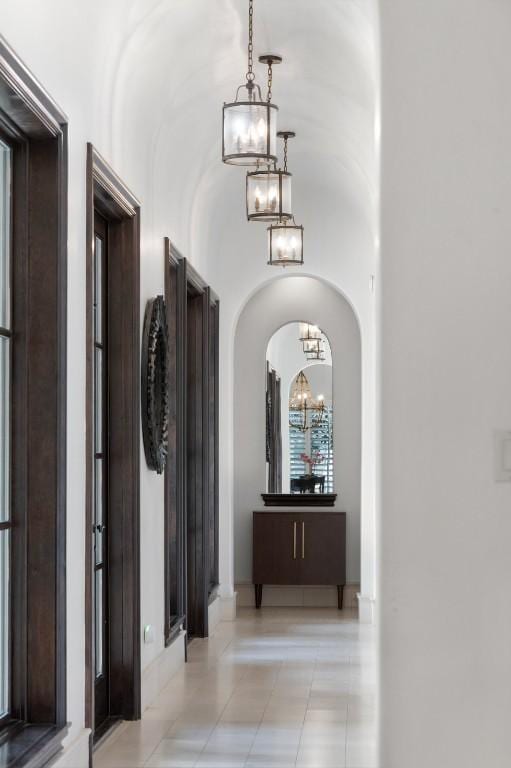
(89,448)
(24,99)
(31,746)
(196,283)
(197,451)
(214,423)
(106,193)
(181,421)
(273,431)
(37,130)
(299,499)
(191,482)
(174,503)
(112,195)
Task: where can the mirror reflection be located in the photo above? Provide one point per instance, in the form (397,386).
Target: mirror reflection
(299,411)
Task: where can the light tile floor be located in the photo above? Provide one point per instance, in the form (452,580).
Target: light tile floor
(277,688)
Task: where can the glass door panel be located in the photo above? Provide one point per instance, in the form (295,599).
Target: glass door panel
(100,495)
(5,423)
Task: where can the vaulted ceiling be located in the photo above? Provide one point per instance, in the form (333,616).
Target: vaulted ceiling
(178,60)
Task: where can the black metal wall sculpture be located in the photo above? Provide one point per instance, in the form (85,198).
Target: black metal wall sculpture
(155,394)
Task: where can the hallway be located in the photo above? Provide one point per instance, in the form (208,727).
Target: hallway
(277,687)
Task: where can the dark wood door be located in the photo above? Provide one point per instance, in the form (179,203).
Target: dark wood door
(100,527)
(276,548)
(112,598)
(321,548)
(197,462)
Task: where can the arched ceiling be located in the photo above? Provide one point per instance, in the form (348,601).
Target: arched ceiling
(177,61)
(147,78)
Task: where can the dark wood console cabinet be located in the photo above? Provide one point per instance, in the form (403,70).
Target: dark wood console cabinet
(299,548)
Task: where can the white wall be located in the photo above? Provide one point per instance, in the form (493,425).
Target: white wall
(319,376)
(278,303)
(144,80)
(446,523)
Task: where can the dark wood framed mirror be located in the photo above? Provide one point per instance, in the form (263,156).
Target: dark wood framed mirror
(299,418)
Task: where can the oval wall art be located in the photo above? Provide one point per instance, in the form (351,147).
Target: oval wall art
(155,395)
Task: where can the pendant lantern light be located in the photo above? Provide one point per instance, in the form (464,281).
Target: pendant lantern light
(285,245)
(285,238)
(309,333)
(249,122)
(316,354)
(311,345)
(269,190)
(312,341)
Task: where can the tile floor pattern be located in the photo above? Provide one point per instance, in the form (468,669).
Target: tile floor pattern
(277,688)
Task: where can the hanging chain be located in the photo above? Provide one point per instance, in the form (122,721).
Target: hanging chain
(285,153)
(250,73)
(270,79)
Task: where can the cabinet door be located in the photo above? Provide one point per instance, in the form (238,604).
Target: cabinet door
(322,548)
(276,548)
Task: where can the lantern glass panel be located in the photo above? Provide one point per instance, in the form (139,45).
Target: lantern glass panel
(285,245)
(304,331)
(264,199)
(310,345)
(246,139)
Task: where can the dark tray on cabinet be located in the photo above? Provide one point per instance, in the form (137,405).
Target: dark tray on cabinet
(299,499)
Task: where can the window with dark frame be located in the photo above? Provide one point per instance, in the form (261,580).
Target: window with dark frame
(33,306)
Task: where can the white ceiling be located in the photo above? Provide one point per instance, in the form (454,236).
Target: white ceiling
(181,59)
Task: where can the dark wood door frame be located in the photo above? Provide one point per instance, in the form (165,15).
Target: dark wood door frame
(175,481)
(197,454)
(273,430)
(107,194)
(214,443)
(37,131)
(191,484)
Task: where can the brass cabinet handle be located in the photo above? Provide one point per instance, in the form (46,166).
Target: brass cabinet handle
(294,541)
(303,540)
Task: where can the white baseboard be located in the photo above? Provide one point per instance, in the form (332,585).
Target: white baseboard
(158,673)
(228,607)
(365,609)
(76,753)
(214,615)
(297,597)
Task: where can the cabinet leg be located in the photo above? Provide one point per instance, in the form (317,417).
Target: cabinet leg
(340,596)
(258,594)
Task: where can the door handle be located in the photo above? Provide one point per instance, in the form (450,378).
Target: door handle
(294,541)
(303,540)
